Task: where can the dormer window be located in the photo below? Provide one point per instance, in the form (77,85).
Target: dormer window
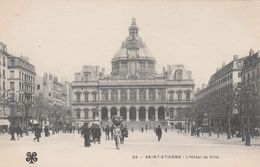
(179,75)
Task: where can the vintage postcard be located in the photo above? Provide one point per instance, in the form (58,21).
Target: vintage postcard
(129,83)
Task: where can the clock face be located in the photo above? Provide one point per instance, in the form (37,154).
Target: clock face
(132,53)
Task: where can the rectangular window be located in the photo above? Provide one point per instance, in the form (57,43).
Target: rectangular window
(4,64)
(179,96)
(12,86)
(94,96)
(188,96)
(86,114)
(86,96)
(11,74)
(3,85)
(78,114)
(4,74)
(78,96)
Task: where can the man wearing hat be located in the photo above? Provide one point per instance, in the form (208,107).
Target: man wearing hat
(86,133)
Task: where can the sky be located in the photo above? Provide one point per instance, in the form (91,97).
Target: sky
(60,36)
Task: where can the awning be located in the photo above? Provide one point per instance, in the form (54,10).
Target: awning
(4,122)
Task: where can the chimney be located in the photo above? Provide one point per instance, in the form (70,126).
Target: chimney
(103,71)
(168,68)
(235,57)
(223,64)
(203,86)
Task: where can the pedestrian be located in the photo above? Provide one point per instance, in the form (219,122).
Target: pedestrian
(17,131)
(142,129)
(98,134)
(111,131)
(122,137)
(158,131)
(86,134)
(46,131)
(117,135)
(20,129)
(37,133)
(12,131)
(107,130)
(165,129)
(93,133)
(78,129)
(198,131)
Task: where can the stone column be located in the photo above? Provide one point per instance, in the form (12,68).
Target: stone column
(137,115)
(127,114)
(147,94)
(99,114)
(146,115)
(118,95)
(156,114)
(118,111)
(156,94)
(99,95)
(137,94)
(128,94)
(109,115)
(109,94)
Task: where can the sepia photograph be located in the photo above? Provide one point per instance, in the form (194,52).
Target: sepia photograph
(129,83)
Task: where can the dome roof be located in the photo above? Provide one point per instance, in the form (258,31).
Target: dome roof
(133,42)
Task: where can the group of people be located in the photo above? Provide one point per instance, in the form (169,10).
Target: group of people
(16,131)
(93,133)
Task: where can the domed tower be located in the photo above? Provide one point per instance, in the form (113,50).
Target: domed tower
(133,60)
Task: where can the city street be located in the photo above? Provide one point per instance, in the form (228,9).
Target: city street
(140,149)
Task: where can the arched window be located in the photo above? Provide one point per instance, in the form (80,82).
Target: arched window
(151,94)
(161,94)
(142,94)
(86,113)
(94,96)
(78,113)
(171,93)
(86,96)
(171,112)
(104,94)
(188,92)
(132,94)
(77,95)
(114,95)
(123,95)
(179,93)
(178,75)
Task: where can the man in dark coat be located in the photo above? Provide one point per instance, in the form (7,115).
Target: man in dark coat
(12,131)
(93,133)
(111,131)
(98,133)
(158,132)
(46,131)
(86,134)
(37,133)
(107,131)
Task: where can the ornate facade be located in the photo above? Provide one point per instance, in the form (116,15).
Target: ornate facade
(133,90)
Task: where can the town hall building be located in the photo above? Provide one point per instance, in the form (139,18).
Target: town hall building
(133,90)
